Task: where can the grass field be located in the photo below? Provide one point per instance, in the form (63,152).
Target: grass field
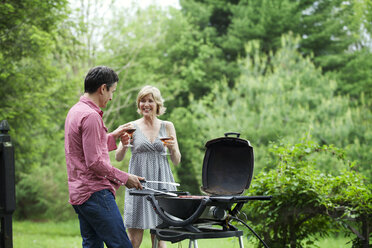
(28,234)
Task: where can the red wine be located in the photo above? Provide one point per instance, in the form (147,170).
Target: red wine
(130,131)
(165,139)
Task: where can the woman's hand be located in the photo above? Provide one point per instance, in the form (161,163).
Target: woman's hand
(172,146)
(171,142)
(125,139)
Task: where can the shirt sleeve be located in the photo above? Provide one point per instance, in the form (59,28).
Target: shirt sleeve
(111,142)
(92,133)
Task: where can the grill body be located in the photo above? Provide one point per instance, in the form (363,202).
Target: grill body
(227,172)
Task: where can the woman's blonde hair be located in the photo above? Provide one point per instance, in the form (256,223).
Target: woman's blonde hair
(155,92)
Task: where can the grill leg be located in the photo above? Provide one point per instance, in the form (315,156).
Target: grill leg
(241,242)
(194,243)
(155,241)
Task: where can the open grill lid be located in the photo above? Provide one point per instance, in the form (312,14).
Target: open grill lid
(227,166)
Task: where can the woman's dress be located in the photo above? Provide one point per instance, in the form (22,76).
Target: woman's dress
(146,161)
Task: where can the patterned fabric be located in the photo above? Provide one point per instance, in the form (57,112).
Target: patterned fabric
(87,147)
(146,161)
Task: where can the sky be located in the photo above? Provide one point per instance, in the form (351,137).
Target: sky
(107,6)
(103,9)
(145,3)
(128,3)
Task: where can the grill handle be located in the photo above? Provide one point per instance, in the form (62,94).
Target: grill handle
(232,133)
(176,223)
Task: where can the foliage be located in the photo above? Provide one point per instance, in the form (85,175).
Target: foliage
(189,139)
(162,49)
(38,87)
(336,32)
(27,77)
(286,101)
(27,27)
(357,74)
(42,193)
(305,201)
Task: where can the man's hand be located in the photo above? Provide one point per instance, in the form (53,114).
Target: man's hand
(120,131)
(134,181)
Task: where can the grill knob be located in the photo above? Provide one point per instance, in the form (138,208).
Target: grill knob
(219,213)
(213,212)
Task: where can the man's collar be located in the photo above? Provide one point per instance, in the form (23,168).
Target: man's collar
(91,104)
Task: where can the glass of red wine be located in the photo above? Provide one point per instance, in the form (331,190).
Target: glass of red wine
(130,132)
(165,140)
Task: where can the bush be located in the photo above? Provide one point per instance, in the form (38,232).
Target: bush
(43,194)
(307,203)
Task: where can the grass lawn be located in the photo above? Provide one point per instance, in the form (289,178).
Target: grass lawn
(28,234)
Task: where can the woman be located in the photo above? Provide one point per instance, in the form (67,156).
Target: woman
(148,161)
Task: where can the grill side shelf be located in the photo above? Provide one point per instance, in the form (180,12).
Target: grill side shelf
(240,198)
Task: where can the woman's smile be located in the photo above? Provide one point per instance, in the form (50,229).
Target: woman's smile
(147,104)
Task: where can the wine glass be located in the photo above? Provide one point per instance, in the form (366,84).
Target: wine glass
(130,132)
(165,140)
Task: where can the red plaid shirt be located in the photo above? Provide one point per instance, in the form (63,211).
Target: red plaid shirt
(87,144)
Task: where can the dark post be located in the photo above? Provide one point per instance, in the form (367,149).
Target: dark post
(7,186)
(365,229)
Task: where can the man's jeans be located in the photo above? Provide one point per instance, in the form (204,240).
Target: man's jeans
(101,221)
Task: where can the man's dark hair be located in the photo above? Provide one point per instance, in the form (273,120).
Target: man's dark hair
(97,76)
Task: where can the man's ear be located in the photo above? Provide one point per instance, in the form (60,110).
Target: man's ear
(102,88)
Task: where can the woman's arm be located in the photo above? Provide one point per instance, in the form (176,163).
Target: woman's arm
(121,151)
(172,145)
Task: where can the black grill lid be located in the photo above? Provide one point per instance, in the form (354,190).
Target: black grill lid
(227,166)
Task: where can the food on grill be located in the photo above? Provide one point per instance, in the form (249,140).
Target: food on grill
(193,196)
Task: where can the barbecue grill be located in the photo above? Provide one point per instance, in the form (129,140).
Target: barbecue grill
(227,172)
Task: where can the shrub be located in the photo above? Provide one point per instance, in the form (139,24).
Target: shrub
(307,203)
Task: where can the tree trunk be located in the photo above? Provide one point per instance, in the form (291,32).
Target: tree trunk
(365,231)
(292,233)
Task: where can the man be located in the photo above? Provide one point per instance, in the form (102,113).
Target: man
(92,180)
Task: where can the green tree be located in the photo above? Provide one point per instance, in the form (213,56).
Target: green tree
(158,47)
(285,102)
(27,76)
(38,82)
(332,31)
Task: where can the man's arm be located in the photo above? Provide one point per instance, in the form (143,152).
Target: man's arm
(117,134)
(93,153)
